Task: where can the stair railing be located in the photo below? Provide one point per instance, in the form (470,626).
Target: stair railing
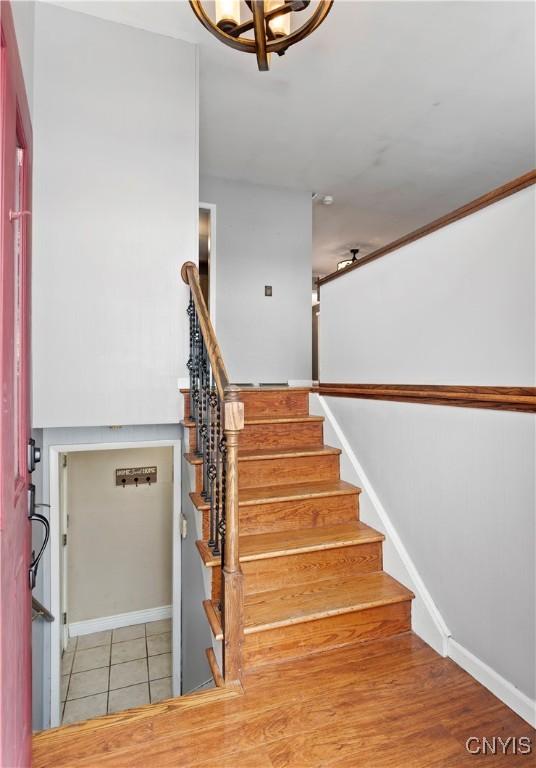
(218,414)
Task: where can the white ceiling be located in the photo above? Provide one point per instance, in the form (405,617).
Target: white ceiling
(400,110)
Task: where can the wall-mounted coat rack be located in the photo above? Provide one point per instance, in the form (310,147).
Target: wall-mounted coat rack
(135,476)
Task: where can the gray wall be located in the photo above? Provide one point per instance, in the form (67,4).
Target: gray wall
(455,307)
(263,237)
(115,215)
(24,17)
(196,635)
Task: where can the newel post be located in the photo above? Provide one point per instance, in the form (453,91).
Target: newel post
(233,602)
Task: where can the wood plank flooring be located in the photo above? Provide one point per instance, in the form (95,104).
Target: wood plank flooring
(391,703)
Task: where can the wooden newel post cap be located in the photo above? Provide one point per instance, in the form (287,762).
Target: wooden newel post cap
(184,270)
(234,409)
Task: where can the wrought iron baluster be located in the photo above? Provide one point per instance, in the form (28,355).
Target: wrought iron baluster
(221,517)
(204,421)
(218,418)
(191,359)
(197,385)
(212,468)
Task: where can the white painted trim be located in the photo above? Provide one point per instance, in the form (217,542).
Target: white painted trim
(504,690)
(212,260)
(390,531)
(55,603)
(77,628)
(300,382)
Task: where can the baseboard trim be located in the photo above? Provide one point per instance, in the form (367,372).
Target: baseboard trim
(439,633)
(89,626)
(519,702)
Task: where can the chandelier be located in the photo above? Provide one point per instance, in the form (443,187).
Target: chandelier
(270,22)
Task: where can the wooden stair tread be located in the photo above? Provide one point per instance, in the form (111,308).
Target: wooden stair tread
(292,492)
(308,602)
(275,453)
(326,598)
(294,542)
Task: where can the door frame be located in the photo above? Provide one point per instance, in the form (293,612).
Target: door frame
(63,517)
(55,554)
(212,260)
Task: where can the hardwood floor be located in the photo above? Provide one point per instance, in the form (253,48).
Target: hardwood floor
(391,703)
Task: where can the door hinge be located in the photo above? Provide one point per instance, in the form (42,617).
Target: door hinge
(65,617)
(64,539)
(64,460)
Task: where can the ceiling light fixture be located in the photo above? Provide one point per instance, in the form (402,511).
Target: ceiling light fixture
(346,262)
(324,199)
(270,21)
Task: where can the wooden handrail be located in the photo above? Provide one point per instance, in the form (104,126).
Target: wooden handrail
(521,399)
(190,275)
(217,443)
(516,185)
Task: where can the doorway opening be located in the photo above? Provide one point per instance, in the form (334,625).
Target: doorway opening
(115,557)
(207,256)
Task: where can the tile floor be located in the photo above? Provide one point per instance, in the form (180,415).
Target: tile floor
(110,671)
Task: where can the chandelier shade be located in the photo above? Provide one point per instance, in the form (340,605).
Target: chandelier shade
(270,22)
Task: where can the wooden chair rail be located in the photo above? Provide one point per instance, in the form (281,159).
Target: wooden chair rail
(190,275)
(521,399)
(516,185)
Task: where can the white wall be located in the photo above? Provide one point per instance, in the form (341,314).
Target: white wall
(456,307)
(115,215)
(119,539)
(263,238)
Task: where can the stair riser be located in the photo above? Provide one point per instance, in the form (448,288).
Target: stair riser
(284,471)
(266,404)
(256,436)
(299,640)
(290,435)
(287,470)
(301,513)
(294,515)
(276,572)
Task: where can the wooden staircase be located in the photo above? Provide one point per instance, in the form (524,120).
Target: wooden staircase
(313,577)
